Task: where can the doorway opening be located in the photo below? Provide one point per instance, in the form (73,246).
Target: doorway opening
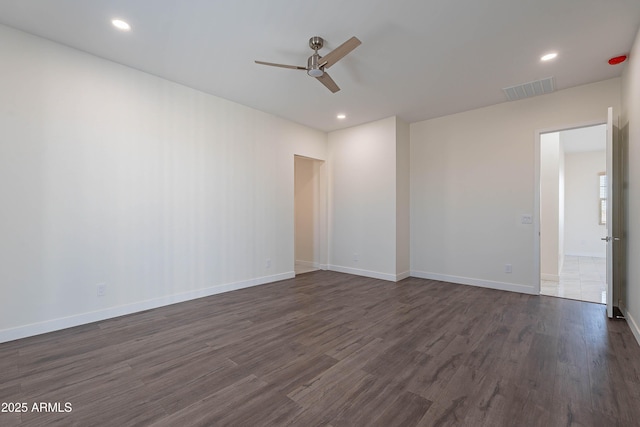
(573,257)
(309,215)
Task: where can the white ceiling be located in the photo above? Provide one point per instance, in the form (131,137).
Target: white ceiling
(419,59)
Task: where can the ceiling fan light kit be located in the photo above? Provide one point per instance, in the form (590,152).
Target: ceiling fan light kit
(317,64)
(313,67)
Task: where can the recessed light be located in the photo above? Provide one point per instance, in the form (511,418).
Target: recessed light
(121,25)
(548,56)
(341,116)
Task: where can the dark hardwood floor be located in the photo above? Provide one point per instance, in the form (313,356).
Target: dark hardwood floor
(333,349)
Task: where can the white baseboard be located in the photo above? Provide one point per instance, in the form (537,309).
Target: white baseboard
(403,275)
(108,313)
(588,254)
(310,264)
(368,273)
(552,277)
(502,286)
(633,325)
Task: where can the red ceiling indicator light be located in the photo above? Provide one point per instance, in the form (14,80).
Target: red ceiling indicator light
(617,60)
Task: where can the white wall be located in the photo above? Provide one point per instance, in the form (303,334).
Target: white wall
(369,199)
(362,194)
(308,213)
(561,204)
(630,127)
(403,194)
(110,175)
(305,193)
(472,177)
(582,231)
(550,255)
(567,196)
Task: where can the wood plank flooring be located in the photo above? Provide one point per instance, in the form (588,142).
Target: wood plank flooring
(330,349)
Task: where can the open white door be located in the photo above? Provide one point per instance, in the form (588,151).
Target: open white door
(610,238)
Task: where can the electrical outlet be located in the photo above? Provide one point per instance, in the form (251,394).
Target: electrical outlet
(102,289)
(507,268)
(526,219)
(355,257)
(268,263)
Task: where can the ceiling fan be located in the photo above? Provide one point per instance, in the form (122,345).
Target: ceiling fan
(316,64)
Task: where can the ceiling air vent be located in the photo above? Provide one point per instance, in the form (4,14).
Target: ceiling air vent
(527,90)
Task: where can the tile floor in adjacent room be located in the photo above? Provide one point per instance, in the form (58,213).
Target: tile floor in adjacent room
(582,278)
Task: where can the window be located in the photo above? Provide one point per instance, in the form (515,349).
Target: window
(602,182)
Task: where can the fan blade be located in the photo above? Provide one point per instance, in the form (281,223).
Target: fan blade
(293,67)
(326,80)
(340,52)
